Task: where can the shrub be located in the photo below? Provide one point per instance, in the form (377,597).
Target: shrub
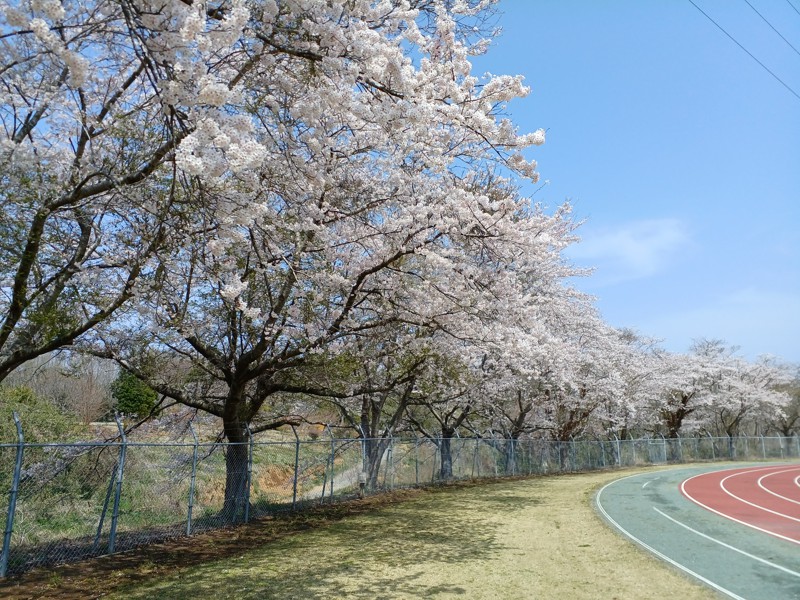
(42,421)
(132,396)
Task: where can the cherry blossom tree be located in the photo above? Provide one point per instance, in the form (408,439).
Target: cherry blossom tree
(448,396)
(684,382)
(787,421)
(85,193)
(745,390)
(244,186)
(580,377)
(372,383)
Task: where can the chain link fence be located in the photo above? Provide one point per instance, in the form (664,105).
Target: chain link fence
(68,502)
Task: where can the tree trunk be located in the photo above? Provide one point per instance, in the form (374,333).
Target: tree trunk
(375,449)
(236,484)
(563,455)
(510,457)
(445,452)
(236,461)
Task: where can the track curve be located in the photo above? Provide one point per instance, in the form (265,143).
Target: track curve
(738,562)
(763,498)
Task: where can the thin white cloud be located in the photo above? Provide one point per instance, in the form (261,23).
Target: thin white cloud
(758,321)
(633,251)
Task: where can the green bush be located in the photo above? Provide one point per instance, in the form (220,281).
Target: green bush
(42,421)
(132,396)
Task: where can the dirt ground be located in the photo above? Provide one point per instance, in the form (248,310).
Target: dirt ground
(526,538)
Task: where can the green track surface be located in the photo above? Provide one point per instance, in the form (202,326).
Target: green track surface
(650,508)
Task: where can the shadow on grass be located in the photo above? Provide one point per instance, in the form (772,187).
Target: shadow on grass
(370,548)
(377,555)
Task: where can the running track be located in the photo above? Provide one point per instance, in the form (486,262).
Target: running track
(736,530)
(764,498)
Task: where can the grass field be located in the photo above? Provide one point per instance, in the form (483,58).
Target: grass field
(533,538)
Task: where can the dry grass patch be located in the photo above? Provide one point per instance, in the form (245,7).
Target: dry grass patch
(534,538)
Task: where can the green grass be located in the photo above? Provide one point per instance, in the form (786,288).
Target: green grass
(536,538)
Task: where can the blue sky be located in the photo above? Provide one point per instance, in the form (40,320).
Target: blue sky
(679,150)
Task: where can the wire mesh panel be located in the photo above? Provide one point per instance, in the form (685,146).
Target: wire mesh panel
(154,498)
(696,449)
(587,455)
(209,488)
(464,459)
(8,453)
(406,463)
(314,471)
(62,505)
(272,476)
(779,447)
(347,464)
(429,463)
(74,501)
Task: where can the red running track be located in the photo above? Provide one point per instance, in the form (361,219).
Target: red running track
(764,498)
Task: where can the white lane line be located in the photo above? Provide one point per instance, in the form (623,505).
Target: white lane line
(728,546)
(776,494)
(662,556)
(722,514)
(753,504)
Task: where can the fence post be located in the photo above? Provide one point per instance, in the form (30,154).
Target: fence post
(12,497)
(391,461)
(530,457)
(104,512)
(324,481)
(619,450)
(416,461)
(249,482)
(192,480)
(112,535)
(475,458)
(333,459)
(296,467)
(713,449)
(571,443)
(763,447)
(435,455)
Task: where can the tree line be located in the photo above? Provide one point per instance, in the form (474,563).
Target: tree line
(268,210)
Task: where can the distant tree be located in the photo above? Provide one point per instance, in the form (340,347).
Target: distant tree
(787,422)
(75,384)
(132,396)
(742,392)
(684,381)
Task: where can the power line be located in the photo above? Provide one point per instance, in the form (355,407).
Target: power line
(794,7)
(763,66)
(763,18)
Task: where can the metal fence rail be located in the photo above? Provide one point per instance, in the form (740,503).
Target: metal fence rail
(67,502)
